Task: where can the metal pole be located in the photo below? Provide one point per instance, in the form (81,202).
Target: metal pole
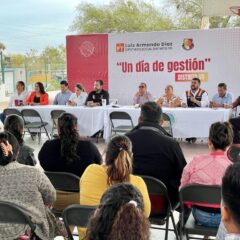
(2,67)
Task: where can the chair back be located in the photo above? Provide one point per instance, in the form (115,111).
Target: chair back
(116,115)
(158,194)
(77,215)
(30,113)
(202,195)
(11,213)
(11,111)
(55,114)
(64,181)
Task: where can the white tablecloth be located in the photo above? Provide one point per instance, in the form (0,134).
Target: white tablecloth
(90,120)
(187,122)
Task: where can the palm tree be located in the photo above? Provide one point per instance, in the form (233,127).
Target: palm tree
(2,47)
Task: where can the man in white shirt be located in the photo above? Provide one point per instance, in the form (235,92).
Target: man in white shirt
(17,99)
(195,97)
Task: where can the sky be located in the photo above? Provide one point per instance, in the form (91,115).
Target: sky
(36,24)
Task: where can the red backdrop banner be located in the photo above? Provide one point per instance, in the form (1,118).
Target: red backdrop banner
(87,60)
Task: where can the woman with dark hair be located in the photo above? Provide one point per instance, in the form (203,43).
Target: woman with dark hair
(79,97)
(209,169)
(38,97)
(119,215)
(28,188)
(68,153)
(15,125)
(117,169)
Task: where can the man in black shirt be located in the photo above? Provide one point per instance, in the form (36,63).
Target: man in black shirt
(97,95)
(156,154)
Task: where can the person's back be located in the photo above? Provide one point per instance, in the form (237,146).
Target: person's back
(156,154)
(119,215)
(28,188)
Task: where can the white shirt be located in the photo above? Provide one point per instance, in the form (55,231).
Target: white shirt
(20,97)
(79,100)
(204,102)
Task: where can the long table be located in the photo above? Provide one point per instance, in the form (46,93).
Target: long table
(187,122)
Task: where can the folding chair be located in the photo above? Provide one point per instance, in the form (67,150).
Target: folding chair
(55,114)
(33,120)
(116,116)
(167,124)
(11,213)
(161,208)
(76,215)
(198,195)
(12,111)
(63,181)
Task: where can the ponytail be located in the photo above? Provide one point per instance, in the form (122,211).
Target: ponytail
(121,169)
(130,221)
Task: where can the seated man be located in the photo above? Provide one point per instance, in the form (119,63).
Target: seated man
(230,227)
(62,97)
(17,99)
(142,96)
(195,97)
(222,98)
(97,95)
(169,99)
(155,153)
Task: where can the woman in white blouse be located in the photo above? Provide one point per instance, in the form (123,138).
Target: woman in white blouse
(79,97)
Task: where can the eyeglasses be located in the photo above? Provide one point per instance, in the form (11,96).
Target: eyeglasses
(141,86)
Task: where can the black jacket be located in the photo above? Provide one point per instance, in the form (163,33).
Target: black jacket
(157,155)
(51,160)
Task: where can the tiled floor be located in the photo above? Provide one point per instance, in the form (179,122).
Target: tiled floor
(189,150)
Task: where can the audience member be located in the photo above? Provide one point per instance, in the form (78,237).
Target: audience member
(68,153)
(169,99)
(195,97)
(117,169)
(97,95)
(15,125)
(38,97)
(28,188)
(209,169)
(17,99)
(79,97)
(222,98)
(155,153)
(142,96)
(62,97)
(119,215)
(229,228)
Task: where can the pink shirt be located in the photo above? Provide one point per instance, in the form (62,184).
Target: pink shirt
(206,169)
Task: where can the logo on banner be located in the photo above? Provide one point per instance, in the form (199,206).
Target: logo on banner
(188,44)
(87,48)
(120,47)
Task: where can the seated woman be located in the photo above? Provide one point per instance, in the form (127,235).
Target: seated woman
(79,97)
(38,97)
(117,169)
(30,189)
(68,153)
(14,124)
(169,99)
(209,169)
(119,215)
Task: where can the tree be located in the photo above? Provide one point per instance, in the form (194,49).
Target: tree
(189,16)
(2,47)
(120,16)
